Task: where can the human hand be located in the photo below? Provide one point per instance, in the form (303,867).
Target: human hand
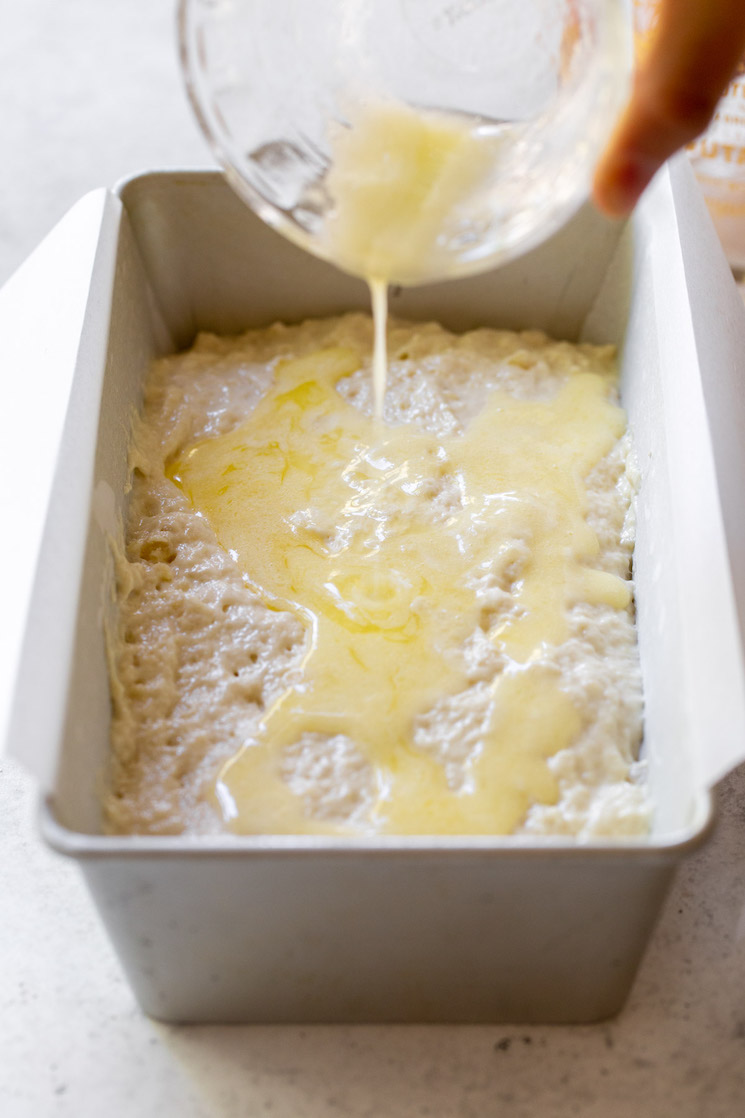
(691,57)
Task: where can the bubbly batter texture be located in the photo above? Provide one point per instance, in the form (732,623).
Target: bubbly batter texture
(332,625)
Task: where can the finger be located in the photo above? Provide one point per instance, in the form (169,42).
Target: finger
(691,58)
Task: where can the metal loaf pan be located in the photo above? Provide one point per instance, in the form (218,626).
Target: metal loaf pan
(278,929)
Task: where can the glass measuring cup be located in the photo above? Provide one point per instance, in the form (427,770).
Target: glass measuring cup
(454,133)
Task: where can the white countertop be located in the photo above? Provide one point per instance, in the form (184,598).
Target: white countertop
(90,92)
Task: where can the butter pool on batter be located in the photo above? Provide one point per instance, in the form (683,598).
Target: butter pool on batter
(328,516)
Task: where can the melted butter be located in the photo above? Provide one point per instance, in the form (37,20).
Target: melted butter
(400,180)
(331,517)
(379,298)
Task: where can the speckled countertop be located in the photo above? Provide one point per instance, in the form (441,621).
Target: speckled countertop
(90,92)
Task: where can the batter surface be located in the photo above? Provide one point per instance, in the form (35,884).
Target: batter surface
(331,625)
